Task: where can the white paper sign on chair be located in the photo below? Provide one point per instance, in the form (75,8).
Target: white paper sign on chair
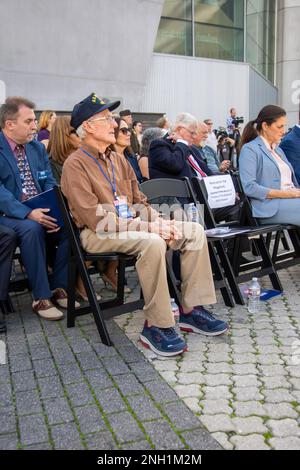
(220,191)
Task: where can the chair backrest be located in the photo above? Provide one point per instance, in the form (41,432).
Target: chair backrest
(167,187)
(247,217)
(70,227)
(201,195)
(171,188)
(210,214)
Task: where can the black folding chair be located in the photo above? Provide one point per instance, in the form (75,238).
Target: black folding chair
(182,190)
(285,236)
(77,258)
(233,267)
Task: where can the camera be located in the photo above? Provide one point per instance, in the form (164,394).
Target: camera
(221,132)
(237,121)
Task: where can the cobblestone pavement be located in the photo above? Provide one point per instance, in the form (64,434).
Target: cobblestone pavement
(62,389)
(244,386)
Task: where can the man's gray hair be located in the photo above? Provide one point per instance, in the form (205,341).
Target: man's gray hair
(185,119)
(80,131)
(148,135)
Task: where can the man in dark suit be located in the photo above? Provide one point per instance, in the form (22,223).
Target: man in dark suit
(291,146)
(174,155)
(167,156)
(8,243)
(25,172)
(180,155)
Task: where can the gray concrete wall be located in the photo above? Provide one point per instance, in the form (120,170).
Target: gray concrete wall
(57,52)
(288,57)
(261,92)
(205,88)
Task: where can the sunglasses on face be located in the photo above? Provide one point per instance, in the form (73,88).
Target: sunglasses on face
(125,130)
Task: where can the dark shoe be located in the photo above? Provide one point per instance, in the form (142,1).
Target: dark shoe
(201,321)
(60,298)
(163,341)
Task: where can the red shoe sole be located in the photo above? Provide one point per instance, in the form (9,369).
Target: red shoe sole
(148,347)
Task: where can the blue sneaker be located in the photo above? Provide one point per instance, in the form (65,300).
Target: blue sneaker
(201,321)
(163,341)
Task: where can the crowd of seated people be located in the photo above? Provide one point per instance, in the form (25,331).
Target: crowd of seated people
(91,156)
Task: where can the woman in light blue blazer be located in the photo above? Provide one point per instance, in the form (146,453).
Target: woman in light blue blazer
(267,177)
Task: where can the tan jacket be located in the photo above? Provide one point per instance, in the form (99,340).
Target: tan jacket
(87,190)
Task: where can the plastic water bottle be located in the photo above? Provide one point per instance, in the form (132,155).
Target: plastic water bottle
(175,310)
(234,159)
(192,215)
(254,296)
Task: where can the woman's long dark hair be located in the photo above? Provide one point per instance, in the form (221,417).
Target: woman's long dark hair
(269,114)
(117,131)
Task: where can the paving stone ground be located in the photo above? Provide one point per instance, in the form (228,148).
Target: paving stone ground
(62,389)
(244,387)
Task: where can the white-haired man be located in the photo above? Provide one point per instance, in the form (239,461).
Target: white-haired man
(168,157)
(102,190)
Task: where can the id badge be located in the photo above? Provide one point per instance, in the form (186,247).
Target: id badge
(42,175)
(122,208)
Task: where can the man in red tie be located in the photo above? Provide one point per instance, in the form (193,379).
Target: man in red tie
(173,155)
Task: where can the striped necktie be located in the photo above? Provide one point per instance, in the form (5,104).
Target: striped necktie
(194,164)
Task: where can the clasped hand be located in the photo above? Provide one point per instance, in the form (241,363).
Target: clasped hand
(40,216)
(166,229)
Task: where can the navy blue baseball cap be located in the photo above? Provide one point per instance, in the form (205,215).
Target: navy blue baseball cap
(88,107)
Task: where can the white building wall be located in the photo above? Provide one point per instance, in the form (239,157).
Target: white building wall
(57,52)
(261,92)
(288,58)
(203,87)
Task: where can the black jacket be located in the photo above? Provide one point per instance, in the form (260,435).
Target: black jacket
(168,160)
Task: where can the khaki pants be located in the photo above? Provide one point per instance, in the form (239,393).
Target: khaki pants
(150,249)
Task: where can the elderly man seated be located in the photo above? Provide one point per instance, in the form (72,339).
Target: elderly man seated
(103,195)
(208,154)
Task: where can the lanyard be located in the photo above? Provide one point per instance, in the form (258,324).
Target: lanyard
(113,182)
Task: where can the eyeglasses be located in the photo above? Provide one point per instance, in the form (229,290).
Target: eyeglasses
(109,119)
(125,130)
(193,134)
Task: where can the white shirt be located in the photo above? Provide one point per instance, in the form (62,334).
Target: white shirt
(285,171)
(182,141)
